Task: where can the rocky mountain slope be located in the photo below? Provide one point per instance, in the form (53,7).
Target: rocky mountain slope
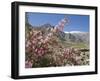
(76,37)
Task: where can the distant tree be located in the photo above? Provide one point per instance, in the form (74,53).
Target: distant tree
(26,18)
(28,27)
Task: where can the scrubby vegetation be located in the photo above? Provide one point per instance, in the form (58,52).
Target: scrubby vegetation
(45,48)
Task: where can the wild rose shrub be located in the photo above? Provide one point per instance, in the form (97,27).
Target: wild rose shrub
(45,51)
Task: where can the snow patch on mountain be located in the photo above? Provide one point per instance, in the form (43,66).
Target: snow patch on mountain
(74,32)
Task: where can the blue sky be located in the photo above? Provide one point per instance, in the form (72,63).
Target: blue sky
(77,22)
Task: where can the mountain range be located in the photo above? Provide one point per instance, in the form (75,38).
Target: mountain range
(72,37)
